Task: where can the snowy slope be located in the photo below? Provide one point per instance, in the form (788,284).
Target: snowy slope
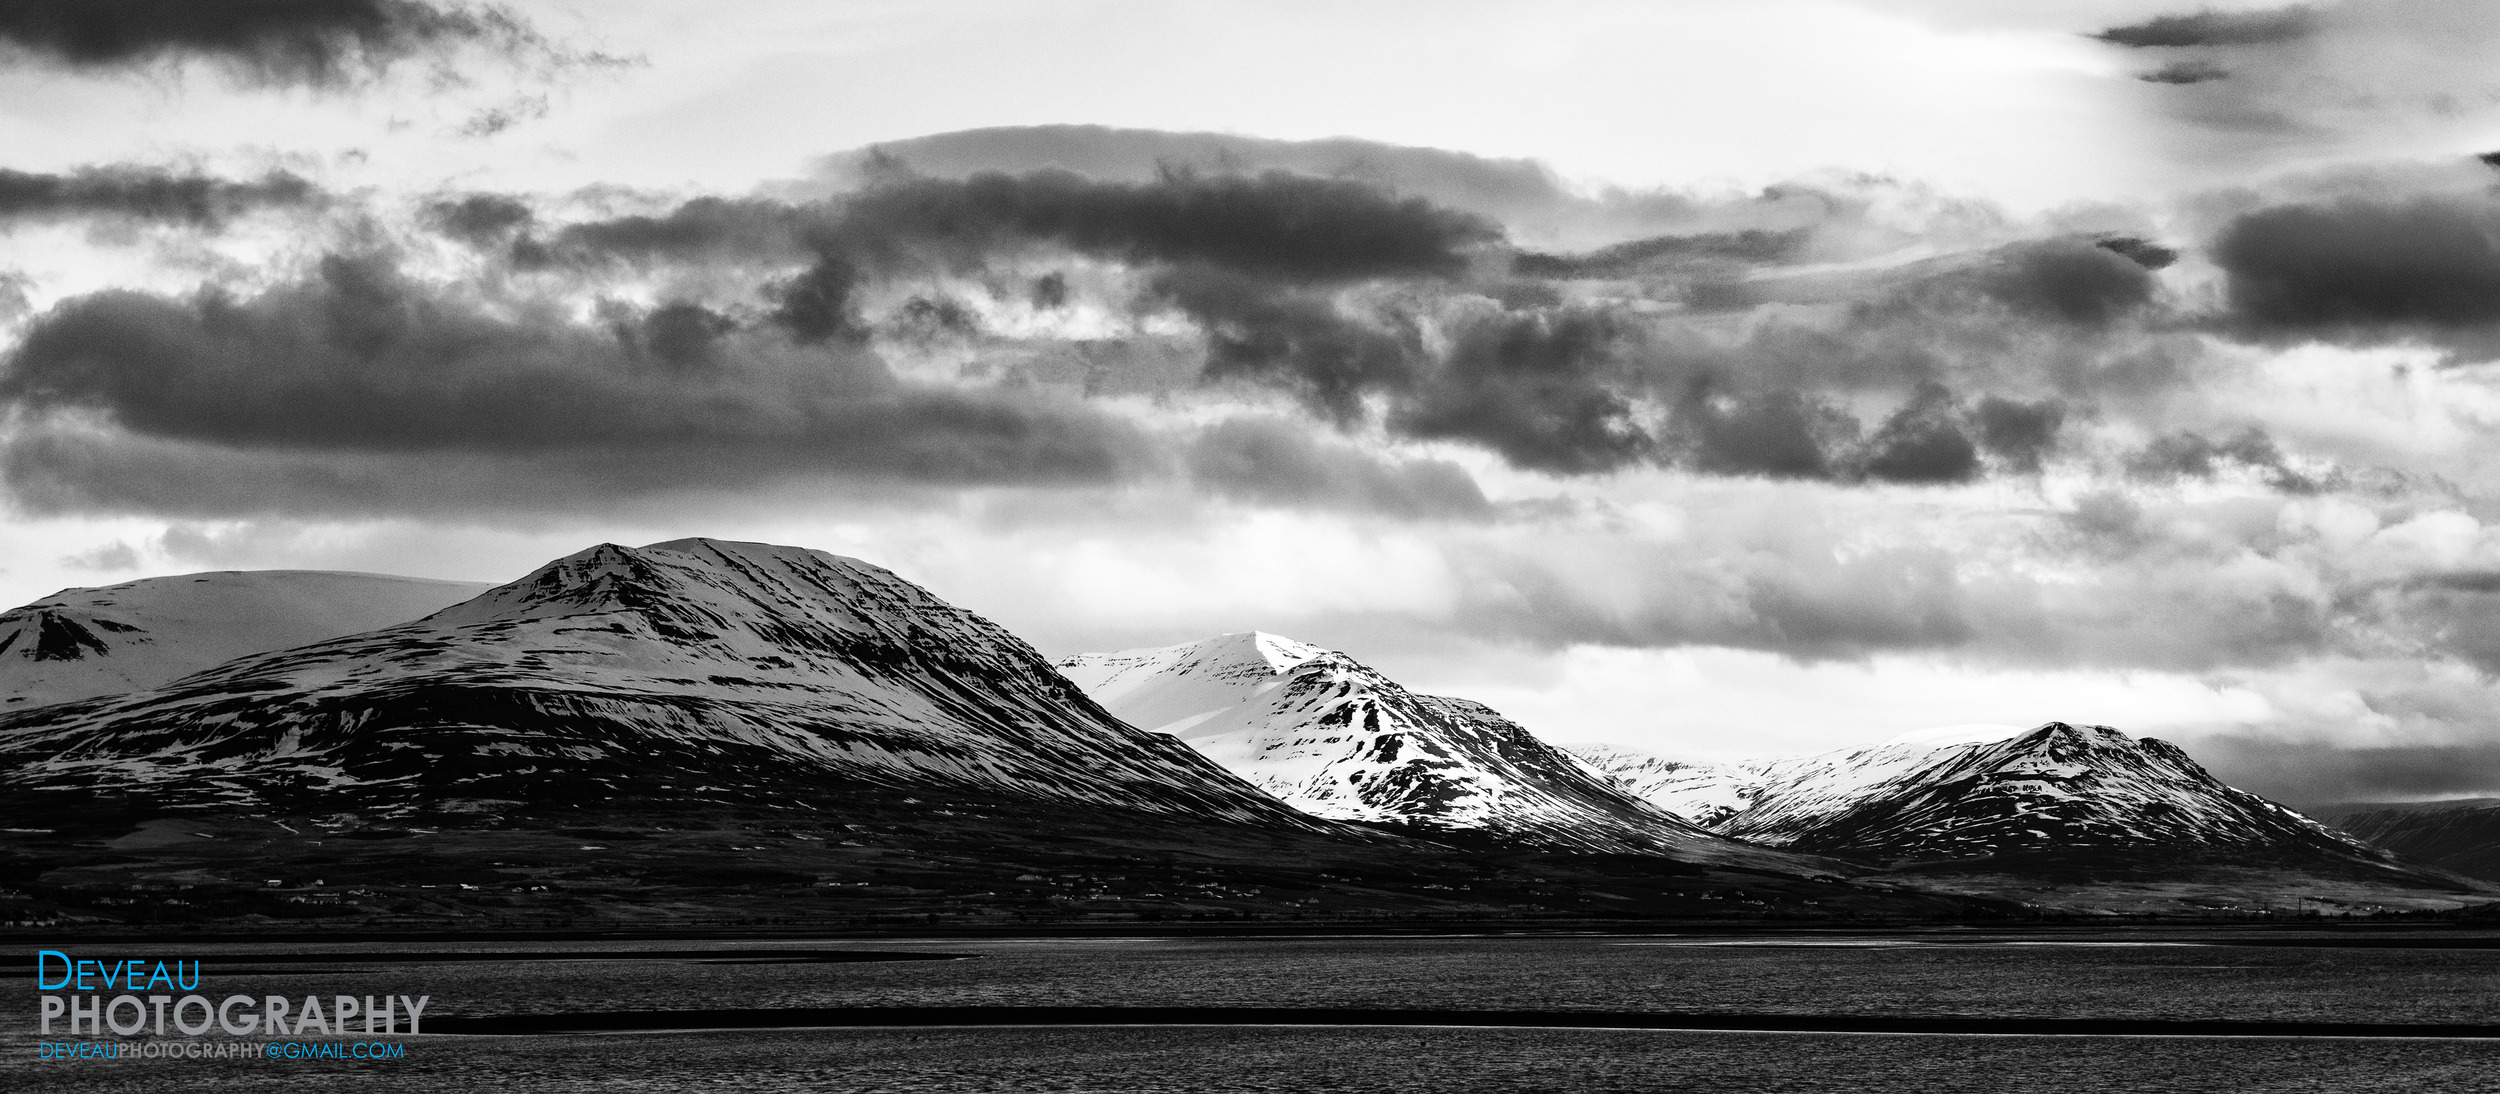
(1335,738)
(688,671)
(1705,794)
(1976,791)
(79,643)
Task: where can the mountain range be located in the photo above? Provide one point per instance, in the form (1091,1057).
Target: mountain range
(80,643)
(1334,738)
(2055,801)
(692,670)
(709,728)
(699,726)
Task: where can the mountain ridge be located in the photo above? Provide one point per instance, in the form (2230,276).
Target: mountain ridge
(771,665)
(1339,740)
(80,643)
(1963,793)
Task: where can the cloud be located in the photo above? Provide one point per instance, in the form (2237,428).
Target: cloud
(360,358)
(1752,246)
(479,219)
(318,43)
(2023,434)
(360,389)
(14,301)
(2364,267)
(1532,387)
(2193,455)
(2186,72)
(2341,81)
(2142,252)
(1300,341)
(1278,461)
(1275,224)
(116,555)
(2214,28)
(2069,280)
(1924,442)
(132,192)
(1779,593)
(705,229)
(1777,434)
(2321,771)
(1524,195)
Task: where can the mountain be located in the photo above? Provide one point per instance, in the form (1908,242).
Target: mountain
(1705,794)
(2084,819)
(683,672)
(700,734)
(1977,791)
(81,643)
(1339,740)
(2459,835)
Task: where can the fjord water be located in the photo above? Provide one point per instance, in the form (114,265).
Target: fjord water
(2172,977)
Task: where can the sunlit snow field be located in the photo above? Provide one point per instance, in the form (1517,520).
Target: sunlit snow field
(1919,975)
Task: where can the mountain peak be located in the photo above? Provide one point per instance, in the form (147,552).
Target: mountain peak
(1337,739)
(1967,733)
(114,639)
(747,671)
(1168,689)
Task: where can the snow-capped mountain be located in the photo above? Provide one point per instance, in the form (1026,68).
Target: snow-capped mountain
(1969,792)
(80,643)
(1337,739)
(684,672)
(1705,794)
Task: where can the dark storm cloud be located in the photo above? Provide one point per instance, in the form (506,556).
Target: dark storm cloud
(2021,433)
(1278,461)
(2362,266)
(2315,773)
(1924,442)
(1544,389)
(479,219)
(1295,340)
(1776,434)
(1534,388)
(307,42)
(2186,72)
(2214,28)
(706,229)
(360,359)
(148,193)
(1275,224)
(1754,246)
(815,306)
(1523,194)
(2069,280)
(2142,252)
(1590,388)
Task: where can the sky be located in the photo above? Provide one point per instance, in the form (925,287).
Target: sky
(1724,380)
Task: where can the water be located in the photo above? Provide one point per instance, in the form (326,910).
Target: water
(1905,976)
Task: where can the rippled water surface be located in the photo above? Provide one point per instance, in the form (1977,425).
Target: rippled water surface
(1904,976)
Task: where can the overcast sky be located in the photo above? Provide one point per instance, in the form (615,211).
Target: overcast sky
(1725,380)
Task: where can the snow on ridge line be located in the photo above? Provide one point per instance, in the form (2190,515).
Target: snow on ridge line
(1971,733)
(691,649)
(115,639)
(1336,739)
